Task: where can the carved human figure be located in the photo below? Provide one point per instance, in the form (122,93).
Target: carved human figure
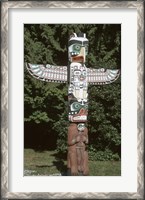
(77,159)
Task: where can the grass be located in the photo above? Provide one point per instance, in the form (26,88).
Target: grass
(48,163)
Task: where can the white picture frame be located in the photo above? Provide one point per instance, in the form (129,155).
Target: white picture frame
(11,11)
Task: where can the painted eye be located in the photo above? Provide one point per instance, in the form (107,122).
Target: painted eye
(77,47)
(75,106)
(84,73)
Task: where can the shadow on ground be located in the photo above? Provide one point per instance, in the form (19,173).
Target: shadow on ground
(60,163)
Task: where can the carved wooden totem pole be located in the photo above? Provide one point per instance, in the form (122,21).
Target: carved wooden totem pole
(78,76)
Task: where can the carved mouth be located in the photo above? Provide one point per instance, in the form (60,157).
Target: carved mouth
(82,78)
(78,59)
(80,117)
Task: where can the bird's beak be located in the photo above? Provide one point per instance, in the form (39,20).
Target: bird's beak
(81,57)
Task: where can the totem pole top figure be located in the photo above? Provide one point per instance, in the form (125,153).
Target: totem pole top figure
(78,48)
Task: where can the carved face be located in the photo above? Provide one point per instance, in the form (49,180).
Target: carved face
(78,111)
(78,73)
(78,48)
(81,126)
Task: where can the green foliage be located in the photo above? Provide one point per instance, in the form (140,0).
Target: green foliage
(47,102)
(102,155)
(61,126)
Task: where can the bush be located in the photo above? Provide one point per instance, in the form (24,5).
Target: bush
(105,155)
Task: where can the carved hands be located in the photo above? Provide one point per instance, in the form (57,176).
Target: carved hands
(80,138)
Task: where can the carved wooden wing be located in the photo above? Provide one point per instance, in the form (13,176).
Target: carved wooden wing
(49,73)
(102,76)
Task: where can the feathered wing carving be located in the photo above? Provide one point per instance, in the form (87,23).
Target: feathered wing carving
(102,76)
(48,73)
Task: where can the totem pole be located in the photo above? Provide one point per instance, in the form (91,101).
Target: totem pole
(78,77)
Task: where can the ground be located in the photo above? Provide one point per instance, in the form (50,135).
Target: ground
(50,163)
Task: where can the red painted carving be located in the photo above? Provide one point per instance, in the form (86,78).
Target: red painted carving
(77,158)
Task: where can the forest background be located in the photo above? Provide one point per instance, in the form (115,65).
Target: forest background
(46,104)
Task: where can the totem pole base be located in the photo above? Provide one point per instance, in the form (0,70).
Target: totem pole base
(77,157)
(69,173)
